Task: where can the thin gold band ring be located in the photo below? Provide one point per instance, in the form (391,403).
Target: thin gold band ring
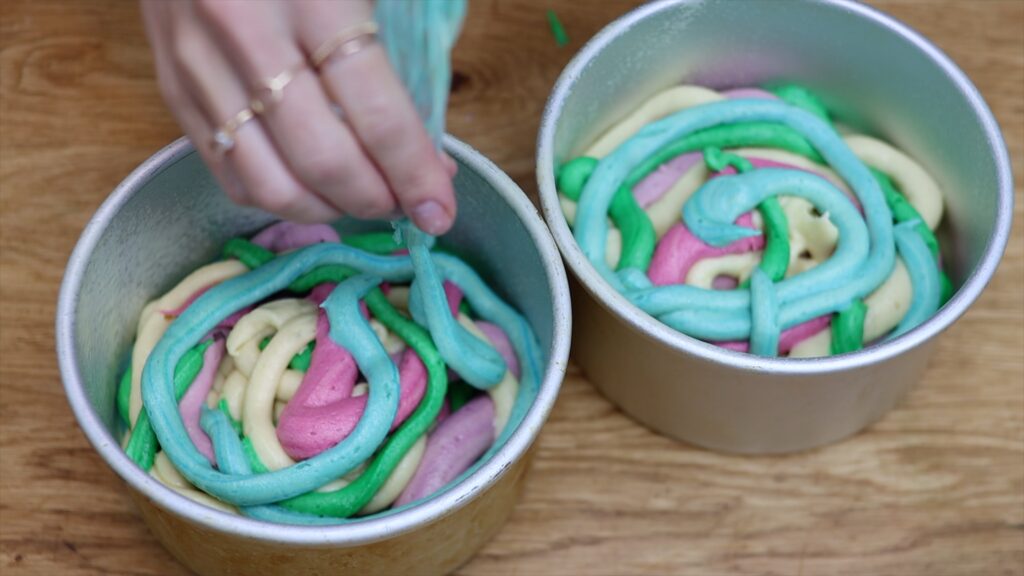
(223,139)
(346,42)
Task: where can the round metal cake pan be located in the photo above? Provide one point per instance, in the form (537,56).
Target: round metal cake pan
(169,217)
(877,74)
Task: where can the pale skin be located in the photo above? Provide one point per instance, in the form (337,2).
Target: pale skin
(301,159)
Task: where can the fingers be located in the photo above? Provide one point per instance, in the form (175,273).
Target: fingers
(381,114)
(220,94)
(450,167)
(180,102)
(321,151)
(297,158)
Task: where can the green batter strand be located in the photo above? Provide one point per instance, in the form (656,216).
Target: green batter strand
(638,238)
(298,362)
(254,459)
(347,501)
(124,394)
(252,255)
(638,246)
(775,257)
(903,211)
(321,274)
(382,243)
(142,445)
(235,424)
(802,98)
(458,394)
(374,242)
(848,328)
(749,134)
(638,235)
(947,289)
(301,360)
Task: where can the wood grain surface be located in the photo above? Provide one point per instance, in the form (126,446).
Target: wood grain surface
(935,488)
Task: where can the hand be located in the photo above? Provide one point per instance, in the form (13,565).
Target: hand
(299,158)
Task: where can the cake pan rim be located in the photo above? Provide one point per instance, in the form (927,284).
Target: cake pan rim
(640,321)
(357,532)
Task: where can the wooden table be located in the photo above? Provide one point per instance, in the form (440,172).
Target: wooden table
(936,488)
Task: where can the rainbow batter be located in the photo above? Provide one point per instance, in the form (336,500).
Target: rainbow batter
(746,219)
(306,378)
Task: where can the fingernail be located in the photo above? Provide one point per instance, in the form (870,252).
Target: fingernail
(431,217)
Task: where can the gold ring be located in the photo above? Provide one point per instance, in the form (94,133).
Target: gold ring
(223,139)
(346,42)
(272,90)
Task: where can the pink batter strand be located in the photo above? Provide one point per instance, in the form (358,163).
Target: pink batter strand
(724,283)
(679,250)
(657,183)
(188,302)
(446,411)
(749,93)
(456,443)
(283,236)
(502,344)
(233,319)
(228,322)
(454,296)
(788,338)
(323,412)
(321,291)
(191,403)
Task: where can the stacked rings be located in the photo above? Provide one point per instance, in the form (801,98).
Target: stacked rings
(346,42)
(271,91)
(223,139)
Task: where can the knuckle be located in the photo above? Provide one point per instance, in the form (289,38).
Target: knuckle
(420,185)
(237,195)
(277,199)
(384,129)
(281,201)
(322,171)
(421,182)
(374,205)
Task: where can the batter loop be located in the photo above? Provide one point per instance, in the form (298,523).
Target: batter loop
(316,398)
(364,428)
(840,252)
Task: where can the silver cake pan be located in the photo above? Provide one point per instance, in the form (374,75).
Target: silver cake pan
(877,74)
(169,217)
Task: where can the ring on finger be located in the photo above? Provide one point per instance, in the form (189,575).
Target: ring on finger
(272,90)
(223,139)
(345,42)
